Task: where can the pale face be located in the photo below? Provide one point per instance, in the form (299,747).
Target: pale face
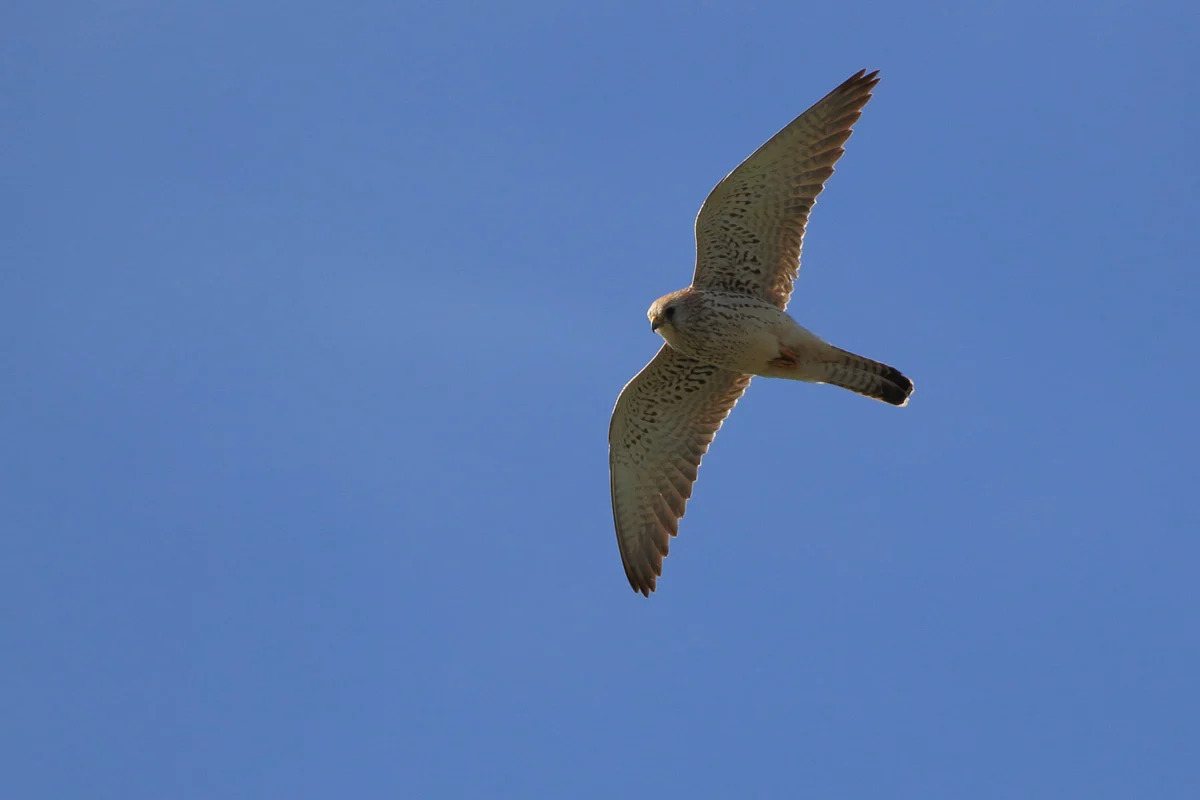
(662,315)
(669,313)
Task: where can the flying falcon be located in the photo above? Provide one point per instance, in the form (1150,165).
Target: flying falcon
(730,325)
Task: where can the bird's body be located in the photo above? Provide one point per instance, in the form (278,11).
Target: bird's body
(744,334)
(735,331)
(729,325)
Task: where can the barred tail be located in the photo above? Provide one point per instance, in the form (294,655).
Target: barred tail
(866,377)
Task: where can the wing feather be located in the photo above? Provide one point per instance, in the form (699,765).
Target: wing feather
(663,423)
(750,230)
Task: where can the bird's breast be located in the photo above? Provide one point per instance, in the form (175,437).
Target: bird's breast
(735,341)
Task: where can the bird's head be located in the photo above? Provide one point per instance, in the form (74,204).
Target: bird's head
(669,313)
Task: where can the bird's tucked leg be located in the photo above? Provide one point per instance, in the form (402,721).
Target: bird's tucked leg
(786,359)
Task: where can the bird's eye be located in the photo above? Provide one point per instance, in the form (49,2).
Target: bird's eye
(669,312)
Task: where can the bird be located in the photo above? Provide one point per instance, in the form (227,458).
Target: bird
(730,325)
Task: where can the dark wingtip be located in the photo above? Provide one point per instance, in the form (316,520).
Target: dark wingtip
(862,76)
(644,589)
(857,86)
(642,584)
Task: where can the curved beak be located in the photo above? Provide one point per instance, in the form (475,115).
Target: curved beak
(656,323)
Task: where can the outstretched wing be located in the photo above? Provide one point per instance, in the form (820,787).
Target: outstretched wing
(663,423)
(750,230)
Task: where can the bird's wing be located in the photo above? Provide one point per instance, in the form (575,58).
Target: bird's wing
(662,425)
(750,229)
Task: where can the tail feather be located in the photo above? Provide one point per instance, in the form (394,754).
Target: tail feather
(868,378)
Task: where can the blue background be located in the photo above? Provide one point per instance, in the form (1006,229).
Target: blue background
(313,317)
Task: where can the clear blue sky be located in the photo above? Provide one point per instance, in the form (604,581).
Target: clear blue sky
(312,319)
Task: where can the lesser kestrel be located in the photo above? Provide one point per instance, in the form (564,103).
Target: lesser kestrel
(730,325)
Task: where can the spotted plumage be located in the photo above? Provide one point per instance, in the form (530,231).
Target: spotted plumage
(730,325)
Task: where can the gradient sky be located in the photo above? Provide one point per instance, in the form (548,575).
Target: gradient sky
(312,319)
